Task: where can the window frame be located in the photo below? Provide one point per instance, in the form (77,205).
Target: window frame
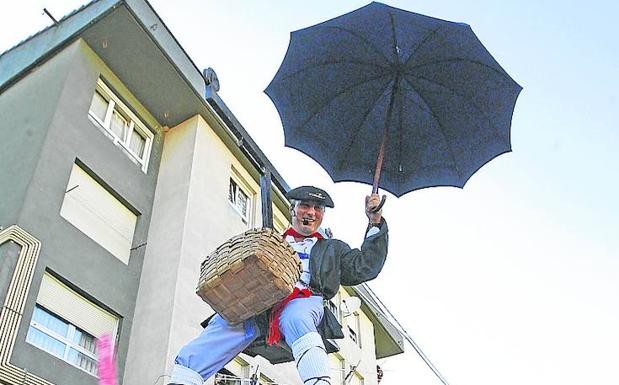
(360,378)
(114,103)
(247,217)
(358,329)
(354,333)
(66,340)
(265,380)
(280,222)
(341,369)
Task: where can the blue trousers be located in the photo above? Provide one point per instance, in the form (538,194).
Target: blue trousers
(220,342)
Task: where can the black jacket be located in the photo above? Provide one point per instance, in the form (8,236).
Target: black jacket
(332,263)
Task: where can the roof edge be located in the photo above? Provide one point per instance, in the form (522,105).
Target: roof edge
(37,48)
(145,14)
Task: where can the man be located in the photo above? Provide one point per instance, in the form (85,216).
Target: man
(326,264)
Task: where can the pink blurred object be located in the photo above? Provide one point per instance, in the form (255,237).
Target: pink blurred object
(106,363)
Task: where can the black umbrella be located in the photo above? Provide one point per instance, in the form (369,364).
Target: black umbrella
(383,88)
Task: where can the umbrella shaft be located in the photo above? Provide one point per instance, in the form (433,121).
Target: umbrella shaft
(379,166)
(381,152)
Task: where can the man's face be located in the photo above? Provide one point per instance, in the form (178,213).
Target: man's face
(307,217)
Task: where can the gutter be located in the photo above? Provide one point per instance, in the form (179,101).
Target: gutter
(49,52)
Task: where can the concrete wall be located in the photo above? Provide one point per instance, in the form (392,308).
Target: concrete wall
(366,355)
(155,301)
(76,258)
(26,110)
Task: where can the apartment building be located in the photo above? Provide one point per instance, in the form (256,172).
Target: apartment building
(121,168)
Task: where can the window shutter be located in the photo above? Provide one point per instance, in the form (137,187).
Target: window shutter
(66,303)
(98,214)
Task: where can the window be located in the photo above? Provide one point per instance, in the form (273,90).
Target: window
(333,307)
(97,213)
(63,339)
(243,367)
(338,369)
(66,324)
(240,200)
(108,112)
(280,222)
(226,377)
(356,379)
(354,332)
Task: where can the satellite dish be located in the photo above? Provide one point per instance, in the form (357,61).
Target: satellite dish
(350,305)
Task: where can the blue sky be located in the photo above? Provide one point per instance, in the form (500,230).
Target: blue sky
(512,280)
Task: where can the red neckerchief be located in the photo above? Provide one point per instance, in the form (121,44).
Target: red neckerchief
(296,234)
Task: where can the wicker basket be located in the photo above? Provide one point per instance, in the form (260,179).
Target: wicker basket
(248,274)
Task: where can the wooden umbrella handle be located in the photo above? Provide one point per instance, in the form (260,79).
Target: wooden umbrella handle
(379,166)
(381,152)
(380,205)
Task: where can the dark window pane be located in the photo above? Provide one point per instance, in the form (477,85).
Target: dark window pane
(83,361)
(232,192)
(85,340)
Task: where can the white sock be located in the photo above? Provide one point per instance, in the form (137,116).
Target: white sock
(311,358)
(183,375)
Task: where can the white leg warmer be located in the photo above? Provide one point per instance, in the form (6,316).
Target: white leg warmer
(311,358)
(186,376)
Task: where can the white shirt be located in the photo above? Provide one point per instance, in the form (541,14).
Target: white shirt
(304,249)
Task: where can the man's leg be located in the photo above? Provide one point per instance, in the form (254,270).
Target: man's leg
(217,345)
(298,324)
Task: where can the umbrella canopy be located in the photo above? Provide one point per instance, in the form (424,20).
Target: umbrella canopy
(425,89)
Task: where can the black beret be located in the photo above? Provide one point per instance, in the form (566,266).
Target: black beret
(310,193)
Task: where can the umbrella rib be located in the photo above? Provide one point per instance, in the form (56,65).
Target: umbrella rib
(351,140)
(395,41)
(458,59)
(334,96)
(440,126)
(327,64)
(401,133)
(465,98)
(421,43)
(369,43)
